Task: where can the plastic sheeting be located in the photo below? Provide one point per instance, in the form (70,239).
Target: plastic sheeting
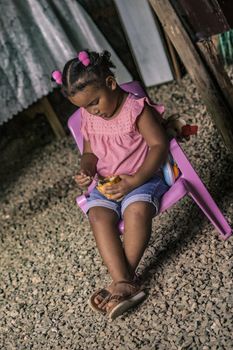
(36,37)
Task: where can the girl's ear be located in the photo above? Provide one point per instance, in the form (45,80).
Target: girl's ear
(111,82)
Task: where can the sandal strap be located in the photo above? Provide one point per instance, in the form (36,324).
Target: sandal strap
(105,295)
(131,283)
(102,292)
(118,298)
(134,288)
(105,301)
(122,297)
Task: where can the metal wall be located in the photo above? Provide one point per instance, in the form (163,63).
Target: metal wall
(105,16)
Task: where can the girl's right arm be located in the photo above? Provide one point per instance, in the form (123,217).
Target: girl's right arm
(87,166)
(88,160)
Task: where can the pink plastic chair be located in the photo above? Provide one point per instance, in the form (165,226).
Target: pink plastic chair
(188,182)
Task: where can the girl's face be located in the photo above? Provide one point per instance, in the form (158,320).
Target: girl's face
(102,101)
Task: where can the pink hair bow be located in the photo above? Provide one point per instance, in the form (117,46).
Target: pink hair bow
(57,76)
(84,58)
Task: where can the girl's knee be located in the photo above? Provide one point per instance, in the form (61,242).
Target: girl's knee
(102,215)
(139,211)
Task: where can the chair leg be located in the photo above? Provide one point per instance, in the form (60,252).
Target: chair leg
(204,200)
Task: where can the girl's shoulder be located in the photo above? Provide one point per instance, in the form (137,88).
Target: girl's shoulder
(137,104)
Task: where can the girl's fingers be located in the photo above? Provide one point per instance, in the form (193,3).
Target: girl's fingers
(82,177)
(83,180)
(116,196)
(111,188)
(86,182)
(84,185)
(114,192)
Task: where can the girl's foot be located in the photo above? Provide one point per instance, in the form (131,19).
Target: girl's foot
(125,295)
(99,299)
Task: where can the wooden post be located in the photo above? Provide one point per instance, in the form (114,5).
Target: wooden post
(208,88)
(210,56)
(43,106)
(174,60)
(52,118)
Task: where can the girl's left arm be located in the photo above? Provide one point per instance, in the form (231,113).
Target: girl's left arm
(156,138)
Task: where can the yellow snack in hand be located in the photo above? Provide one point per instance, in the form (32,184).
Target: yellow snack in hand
(109,180)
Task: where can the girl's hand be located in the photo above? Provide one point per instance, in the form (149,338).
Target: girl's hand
(83,179)
(126,185)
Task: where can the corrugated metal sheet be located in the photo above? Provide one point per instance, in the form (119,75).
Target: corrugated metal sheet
(36,37)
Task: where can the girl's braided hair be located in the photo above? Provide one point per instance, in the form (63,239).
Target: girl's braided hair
(76,76)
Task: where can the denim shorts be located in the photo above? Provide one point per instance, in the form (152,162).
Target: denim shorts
(151,192)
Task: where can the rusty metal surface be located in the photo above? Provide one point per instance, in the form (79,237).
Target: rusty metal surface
(207,17)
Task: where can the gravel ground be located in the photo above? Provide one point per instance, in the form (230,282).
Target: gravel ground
(49,264)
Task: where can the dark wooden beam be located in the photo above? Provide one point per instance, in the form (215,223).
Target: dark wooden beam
(211,57)
(211,93)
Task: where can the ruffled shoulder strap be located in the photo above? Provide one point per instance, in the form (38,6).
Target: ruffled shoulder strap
(138,105)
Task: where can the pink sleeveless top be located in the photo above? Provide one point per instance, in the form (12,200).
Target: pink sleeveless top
(117,143)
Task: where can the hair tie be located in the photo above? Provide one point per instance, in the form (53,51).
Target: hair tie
(84,58)
(57,76)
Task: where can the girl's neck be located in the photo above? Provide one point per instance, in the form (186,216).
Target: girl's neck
(121,97)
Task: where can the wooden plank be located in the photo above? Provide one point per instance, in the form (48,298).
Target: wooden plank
(208,88)
(43,106)
(174,59)
(52,118)
(145,41)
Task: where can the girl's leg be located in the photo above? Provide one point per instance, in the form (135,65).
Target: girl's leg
(104,223)
(137,231)
(137,222)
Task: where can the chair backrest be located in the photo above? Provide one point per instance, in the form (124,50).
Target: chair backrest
(74,124)
(135,88)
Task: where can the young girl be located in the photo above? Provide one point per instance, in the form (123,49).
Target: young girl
(122,136)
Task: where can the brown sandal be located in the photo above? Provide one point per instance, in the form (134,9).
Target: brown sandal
(105,295)
(126,301)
